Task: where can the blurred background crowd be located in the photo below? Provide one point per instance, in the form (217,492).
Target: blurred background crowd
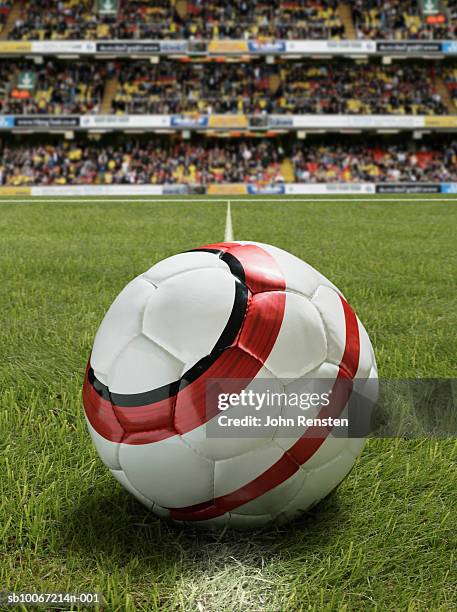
(281,19)
(204,161)
(316,86)
(171,87)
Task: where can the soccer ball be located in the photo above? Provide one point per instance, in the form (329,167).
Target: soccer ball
(228,310)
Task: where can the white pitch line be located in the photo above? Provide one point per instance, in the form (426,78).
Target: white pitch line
(228,225)
(127,200)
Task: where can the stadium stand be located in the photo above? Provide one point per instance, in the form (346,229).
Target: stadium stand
(317,86)
(51,20)
(52,87)
(209,161)
(216,19)
(171,87)
(135,162)
(408,162)
(46,19)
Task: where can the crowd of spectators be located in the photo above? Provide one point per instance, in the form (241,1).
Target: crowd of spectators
(55,87)
(216,19)
(305,87)
(203,162)
(141,162)
(401,19)
(134,19)
(409,162)
(171,87)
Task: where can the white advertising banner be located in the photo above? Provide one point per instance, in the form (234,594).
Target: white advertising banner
(180,190)
(52,47)
(329,188)
(354,121)
(337,47)
(98,190)
(230,47)
(125,121)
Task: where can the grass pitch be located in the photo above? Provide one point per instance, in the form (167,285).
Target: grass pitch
(385,540)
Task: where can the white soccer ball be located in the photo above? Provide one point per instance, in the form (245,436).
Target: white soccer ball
(230,310)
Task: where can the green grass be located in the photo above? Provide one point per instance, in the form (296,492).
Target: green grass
(385,540)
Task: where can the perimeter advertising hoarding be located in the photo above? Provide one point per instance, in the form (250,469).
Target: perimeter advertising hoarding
(330,188)
(269,47)
(422,188)
(15,46)
(46,121)
(15,191)
(229,47)
(119,122)
(441,122)
(409,47)
(98,190)
(366,122)
(267,189)
(233,189)
(141,47)
(6,122)
(228,121)
(189,121)
(449,188)
(227,189)
(333,47)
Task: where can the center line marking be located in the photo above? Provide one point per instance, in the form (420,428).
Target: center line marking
(228,225)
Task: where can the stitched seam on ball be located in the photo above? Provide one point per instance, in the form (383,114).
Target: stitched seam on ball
(163,280)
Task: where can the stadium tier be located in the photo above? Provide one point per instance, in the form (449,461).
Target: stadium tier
(181,19)
(45,19)
(339,87)
(227,94)
(203,162)
(289,88)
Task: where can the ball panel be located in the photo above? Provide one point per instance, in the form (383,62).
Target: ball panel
(168,472)
(320,482)
(275,500)
(367,359)
(216,523)
(245,521)
(234,473)
(356,445)
(301,344)
(142,366)
(189,312)
(122,323)
(327,452)
(122,479)
(328,304)
(183,262)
